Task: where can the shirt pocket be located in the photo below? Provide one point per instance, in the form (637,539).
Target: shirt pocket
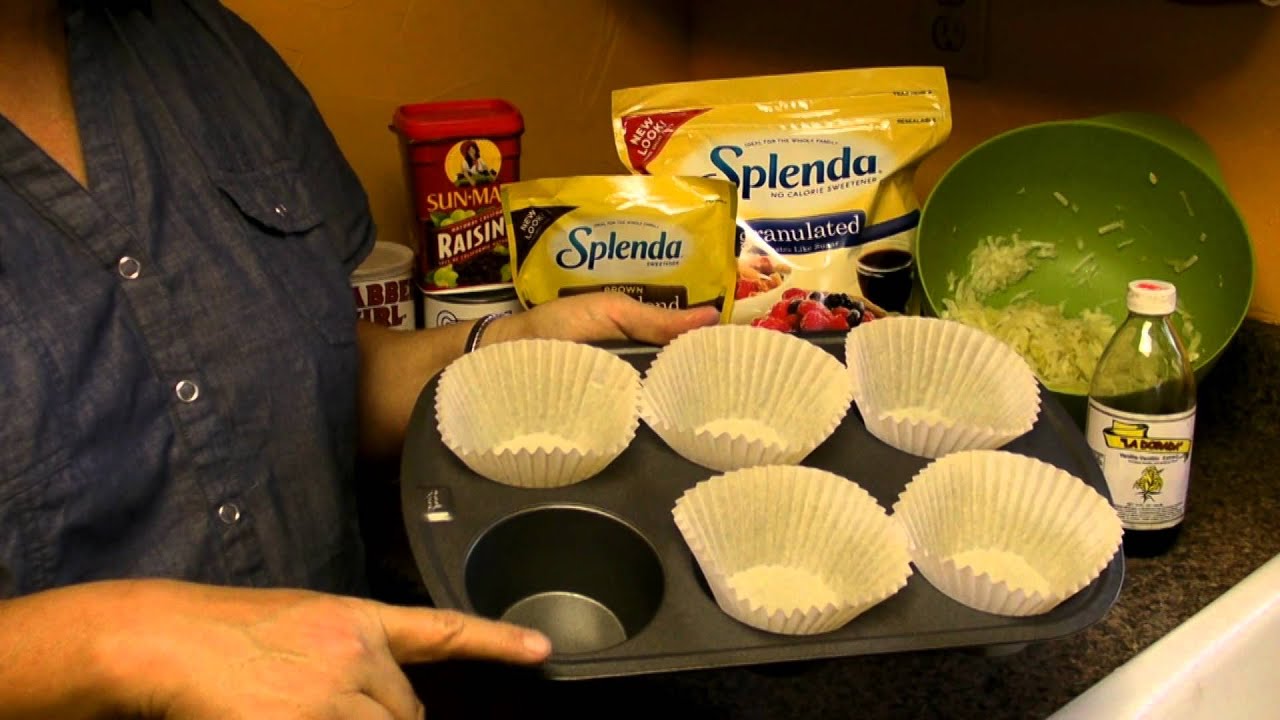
(287,228)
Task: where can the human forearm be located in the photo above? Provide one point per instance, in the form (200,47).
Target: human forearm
(396,365)
(61,651)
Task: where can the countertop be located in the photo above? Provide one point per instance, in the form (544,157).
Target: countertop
(1232,528)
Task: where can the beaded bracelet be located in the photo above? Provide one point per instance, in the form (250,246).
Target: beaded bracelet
(477,331)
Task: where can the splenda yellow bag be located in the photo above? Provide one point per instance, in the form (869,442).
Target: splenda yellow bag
(667,241)
(823,163)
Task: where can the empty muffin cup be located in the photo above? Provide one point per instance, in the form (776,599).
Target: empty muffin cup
(930,387)
(734,396)
(1005,533)
(538,413)
(582,576)
(790,549)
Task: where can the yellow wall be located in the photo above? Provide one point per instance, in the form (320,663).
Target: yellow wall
(1215,67)
(556,60)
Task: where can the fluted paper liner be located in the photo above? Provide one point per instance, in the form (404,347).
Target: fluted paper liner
(538,413)
(929,386)
(734,396)
(791,549)
(1005,533)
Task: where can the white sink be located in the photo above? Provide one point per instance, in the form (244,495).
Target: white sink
(1222,663)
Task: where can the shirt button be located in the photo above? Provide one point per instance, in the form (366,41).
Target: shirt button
(187,391)
(281,210)
(129,268)
(229,513)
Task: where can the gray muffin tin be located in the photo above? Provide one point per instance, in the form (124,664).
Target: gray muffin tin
(601,567)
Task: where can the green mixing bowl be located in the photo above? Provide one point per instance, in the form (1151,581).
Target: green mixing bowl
(1153,174)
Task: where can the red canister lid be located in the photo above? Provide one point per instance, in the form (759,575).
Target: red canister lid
(450,119)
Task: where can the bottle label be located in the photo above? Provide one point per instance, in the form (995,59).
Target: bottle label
(1147,462)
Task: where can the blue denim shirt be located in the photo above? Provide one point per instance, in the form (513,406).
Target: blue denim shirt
(177,342)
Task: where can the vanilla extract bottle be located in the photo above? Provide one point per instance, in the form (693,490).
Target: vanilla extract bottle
(1141,418)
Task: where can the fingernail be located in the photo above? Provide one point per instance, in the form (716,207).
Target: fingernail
(706,314)
(537,644)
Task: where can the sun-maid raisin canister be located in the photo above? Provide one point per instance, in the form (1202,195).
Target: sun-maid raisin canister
(457,154)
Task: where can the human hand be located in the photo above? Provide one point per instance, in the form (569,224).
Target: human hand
(597,317)
(226,654)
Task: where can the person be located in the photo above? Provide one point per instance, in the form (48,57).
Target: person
(474,168)
(186,388)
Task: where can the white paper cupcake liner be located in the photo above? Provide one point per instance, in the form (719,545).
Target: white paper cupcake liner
(734,396)
(929,386)
(792,550)
(538,413)
(1005,533)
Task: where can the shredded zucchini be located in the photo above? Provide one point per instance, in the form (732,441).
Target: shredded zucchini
(998,262)
(1111,227)
(1063,350)
(1180,266)
(1087,277)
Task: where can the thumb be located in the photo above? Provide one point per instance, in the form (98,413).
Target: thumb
(416,635)
(659,326)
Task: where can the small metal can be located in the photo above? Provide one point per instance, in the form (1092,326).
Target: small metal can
(383,287)
(450,308)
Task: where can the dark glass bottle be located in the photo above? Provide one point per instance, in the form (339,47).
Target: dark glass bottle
(1142,409)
